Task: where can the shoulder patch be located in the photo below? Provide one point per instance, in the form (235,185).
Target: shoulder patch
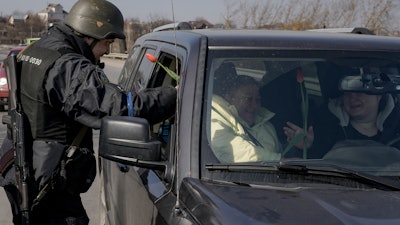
(102,76)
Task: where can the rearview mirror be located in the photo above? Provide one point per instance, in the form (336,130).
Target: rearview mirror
(371,83)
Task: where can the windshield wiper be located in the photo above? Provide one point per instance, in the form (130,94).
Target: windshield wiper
(241,167)
(307,169)
(333,170)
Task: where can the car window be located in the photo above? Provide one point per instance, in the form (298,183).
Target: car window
(159,77)
(137,74)
(252,94)
(129,67)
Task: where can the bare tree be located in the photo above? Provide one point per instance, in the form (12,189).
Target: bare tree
(230,11)
(156,20)
(133,30)
(36,25)
(306,14)
(371,14)
(244,16)
(378,18)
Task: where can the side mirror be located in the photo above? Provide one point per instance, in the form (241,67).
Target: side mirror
(128,140)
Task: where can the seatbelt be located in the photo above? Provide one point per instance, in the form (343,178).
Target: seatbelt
(247,132)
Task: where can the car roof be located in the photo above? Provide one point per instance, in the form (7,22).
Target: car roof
(15,49)
(280,39)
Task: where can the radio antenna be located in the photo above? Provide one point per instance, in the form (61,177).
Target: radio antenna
(177,205)
(176,48)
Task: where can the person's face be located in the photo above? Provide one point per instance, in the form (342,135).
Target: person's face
(247,101)
(101,48)
(361,106)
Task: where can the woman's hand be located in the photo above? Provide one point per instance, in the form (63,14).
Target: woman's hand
(293,130)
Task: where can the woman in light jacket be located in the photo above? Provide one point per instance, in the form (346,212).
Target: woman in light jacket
(240,127)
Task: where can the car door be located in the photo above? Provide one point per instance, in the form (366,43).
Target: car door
(131,193)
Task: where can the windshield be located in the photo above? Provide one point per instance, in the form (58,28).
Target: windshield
(313,107)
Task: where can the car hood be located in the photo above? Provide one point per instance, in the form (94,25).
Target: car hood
(216,203)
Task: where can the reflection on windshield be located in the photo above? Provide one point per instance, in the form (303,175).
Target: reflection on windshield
(261,110)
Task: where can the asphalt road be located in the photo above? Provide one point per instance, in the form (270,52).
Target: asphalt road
(91,199)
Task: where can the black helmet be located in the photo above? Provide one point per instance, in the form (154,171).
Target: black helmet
(98,19)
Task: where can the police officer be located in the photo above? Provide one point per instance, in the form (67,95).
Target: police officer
(63,89)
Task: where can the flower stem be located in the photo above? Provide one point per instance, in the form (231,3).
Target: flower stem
(304,110)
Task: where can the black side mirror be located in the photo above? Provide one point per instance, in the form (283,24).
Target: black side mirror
(128,140)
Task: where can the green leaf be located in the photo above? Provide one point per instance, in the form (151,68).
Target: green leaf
(294,141)
(171,73)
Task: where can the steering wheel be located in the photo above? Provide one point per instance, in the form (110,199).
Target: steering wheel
(393,142)
(362,153)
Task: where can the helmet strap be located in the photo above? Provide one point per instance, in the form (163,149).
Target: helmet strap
(87,38)
(94,42)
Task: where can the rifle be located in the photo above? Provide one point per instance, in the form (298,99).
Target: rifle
(19,128)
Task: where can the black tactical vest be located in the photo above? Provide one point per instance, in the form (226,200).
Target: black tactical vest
(47,122)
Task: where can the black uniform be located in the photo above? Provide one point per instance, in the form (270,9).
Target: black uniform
(62,90)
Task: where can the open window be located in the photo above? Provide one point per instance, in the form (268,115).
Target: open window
(163,131)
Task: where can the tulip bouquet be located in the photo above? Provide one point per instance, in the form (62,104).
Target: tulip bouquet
(171,73)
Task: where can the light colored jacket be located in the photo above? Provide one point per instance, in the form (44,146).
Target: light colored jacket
(232,140)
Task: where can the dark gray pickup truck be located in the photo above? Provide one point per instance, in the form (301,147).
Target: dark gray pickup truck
(209,165)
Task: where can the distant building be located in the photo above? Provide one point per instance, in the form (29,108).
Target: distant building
(14,20)
(54,13)
(3,33)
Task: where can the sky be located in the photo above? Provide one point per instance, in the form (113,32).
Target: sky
(185,10)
